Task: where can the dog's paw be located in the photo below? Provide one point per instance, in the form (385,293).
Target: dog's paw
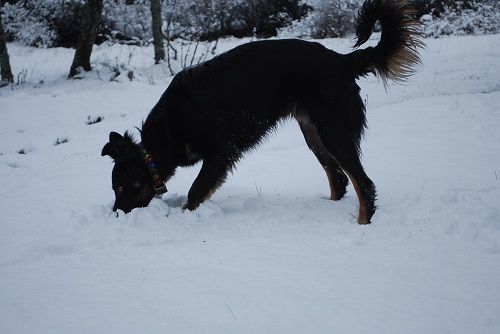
(190,206)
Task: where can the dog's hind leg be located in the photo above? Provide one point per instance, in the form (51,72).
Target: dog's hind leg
(336,177)
(212,174)
(347,156)
(340,126)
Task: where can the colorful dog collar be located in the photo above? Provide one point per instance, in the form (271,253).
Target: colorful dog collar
(159,183)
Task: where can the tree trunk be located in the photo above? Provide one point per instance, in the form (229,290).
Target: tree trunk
(5,71)
(157,33)
(92,17)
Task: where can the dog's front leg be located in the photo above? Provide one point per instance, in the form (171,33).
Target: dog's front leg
(212,174)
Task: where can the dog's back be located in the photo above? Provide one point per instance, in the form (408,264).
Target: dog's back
(276,68)
(253,86)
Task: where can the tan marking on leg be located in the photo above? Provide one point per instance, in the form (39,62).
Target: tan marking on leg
(315,144)
(333,192)
(210,193)
(363,215)
(196,205)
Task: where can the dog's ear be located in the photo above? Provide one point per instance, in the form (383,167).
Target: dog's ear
(116,138)
(116,146)
(108,149)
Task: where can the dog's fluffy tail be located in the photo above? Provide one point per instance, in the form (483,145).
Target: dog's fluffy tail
(396,55)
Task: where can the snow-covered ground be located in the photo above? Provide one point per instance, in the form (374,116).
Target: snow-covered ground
(268,253)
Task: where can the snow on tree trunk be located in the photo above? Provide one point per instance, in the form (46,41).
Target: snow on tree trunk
(90,23)
(157,33)
(6,72)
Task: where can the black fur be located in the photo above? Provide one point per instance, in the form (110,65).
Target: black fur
(220,109)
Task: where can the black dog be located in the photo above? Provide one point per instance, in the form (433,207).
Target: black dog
(218,110)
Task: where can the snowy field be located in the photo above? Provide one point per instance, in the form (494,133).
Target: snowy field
(268,253)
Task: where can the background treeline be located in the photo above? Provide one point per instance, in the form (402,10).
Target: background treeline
(51,23)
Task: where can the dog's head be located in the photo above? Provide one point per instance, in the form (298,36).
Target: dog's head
(132,182)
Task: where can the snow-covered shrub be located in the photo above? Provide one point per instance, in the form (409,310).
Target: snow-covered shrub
(333,18)
(43,23)
(46,23)
(270,15)
(336,18)
(465,17)
(27,24)
(211,19)
(298,29)
(127,21)
(471,17)
(198,19)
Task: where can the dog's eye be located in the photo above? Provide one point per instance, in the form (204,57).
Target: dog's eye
(119,189)
(136,185)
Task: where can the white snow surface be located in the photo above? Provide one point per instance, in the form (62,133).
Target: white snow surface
(268,253)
